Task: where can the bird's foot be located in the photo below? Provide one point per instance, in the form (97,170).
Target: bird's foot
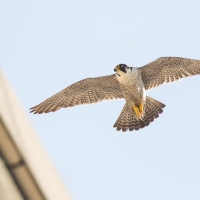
(139,110)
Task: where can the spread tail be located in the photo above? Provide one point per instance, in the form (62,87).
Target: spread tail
(129,120)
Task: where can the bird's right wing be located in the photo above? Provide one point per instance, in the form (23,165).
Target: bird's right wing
(87,91)
(168,70)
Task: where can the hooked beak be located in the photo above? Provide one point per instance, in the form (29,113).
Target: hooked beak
(116,69)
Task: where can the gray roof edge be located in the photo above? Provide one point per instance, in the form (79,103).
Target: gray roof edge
(28,144)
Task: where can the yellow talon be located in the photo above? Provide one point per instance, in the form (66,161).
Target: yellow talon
(141,107)
(138,110)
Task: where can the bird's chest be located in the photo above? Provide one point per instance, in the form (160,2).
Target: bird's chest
(132,88)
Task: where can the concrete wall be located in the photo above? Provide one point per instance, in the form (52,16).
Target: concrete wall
(8,189)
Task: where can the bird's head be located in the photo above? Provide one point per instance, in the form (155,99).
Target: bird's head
(121,69)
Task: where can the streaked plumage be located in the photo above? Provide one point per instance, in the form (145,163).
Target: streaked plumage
(129,83)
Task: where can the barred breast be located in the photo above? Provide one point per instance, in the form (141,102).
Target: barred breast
(132,86)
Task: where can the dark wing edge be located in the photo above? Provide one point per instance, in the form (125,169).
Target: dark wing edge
(168,70)
(87,91)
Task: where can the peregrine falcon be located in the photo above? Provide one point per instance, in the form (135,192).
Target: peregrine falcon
(129,83)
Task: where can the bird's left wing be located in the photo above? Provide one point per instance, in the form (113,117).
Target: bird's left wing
(87,91)
(168,70)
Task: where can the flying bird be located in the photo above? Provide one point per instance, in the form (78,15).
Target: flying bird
(129,83)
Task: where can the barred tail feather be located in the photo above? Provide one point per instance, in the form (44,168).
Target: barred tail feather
(128,121)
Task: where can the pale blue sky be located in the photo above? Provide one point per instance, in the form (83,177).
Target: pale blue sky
(47,45)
